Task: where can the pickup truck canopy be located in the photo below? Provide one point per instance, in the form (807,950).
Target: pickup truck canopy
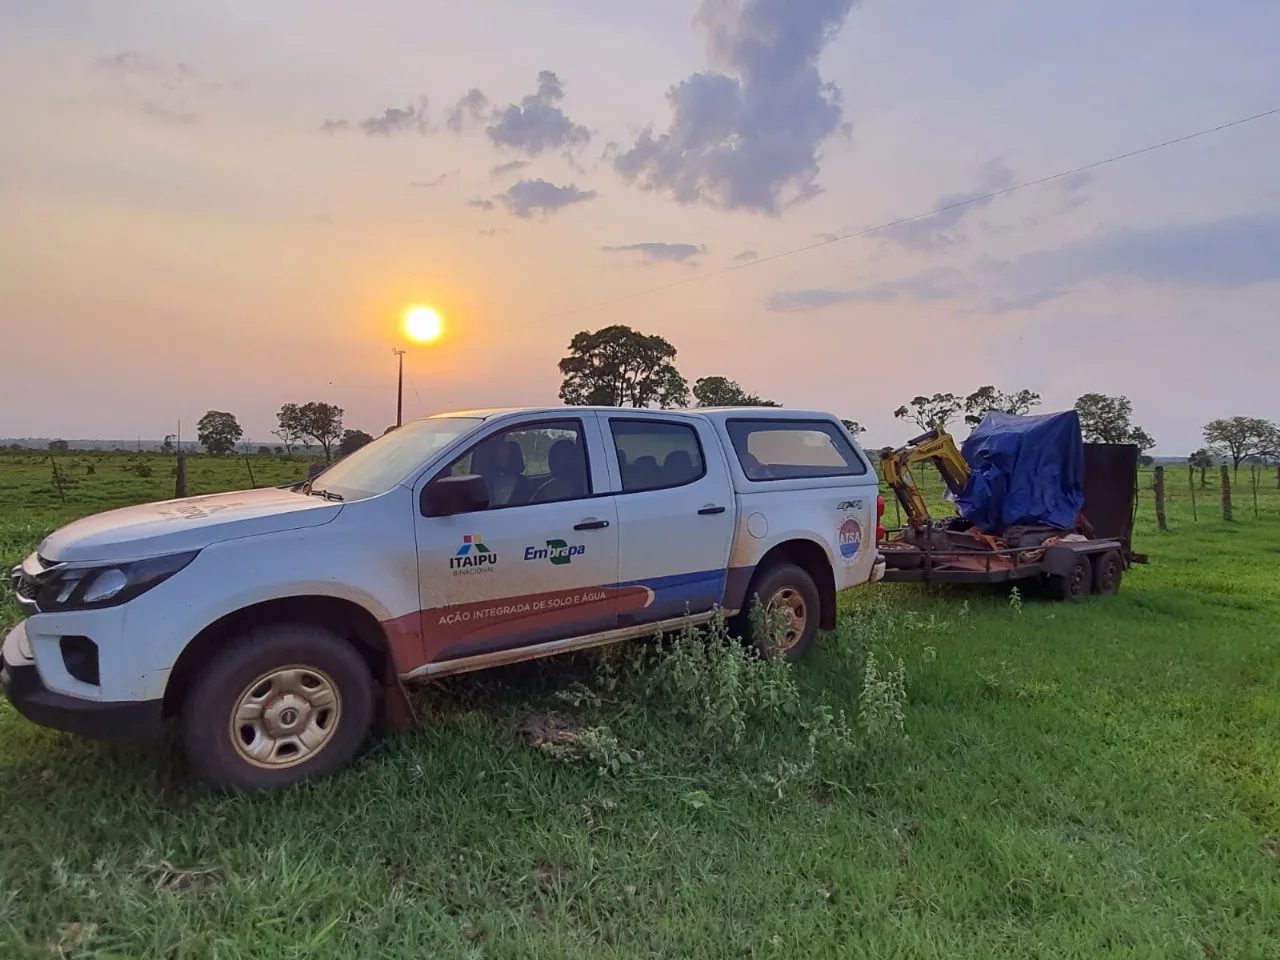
(1023,470)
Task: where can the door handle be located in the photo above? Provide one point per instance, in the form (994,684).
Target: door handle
(591,525)
(710,509)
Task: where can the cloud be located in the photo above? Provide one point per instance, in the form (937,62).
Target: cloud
(527,197)
(481,203)
(537,124)
(654,252)
(1227,253)
(746,255)
(434,181)
(748,137)
(502,169)
(931,285)
(470,109)
(170,93)
(393,120)
(942,229)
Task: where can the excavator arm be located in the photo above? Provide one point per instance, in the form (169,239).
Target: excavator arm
(935,447)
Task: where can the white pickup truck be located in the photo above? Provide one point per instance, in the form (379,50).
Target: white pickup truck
(277,623)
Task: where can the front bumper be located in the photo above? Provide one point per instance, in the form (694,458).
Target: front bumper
(96,719)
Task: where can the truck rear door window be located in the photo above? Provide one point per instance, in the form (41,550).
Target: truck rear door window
(655,454)
(793,450)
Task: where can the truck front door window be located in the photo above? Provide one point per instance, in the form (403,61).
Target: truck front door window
(533,463)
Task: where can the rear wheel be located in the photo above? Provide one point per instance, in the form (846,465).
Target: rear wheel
(1108,569)
(1076,583)
(283,703)
(791,602)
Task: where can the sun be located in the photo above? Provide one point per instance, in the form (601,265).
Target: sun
(422,324)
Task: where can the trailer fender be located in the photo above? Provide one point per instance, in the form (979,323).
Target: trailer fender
(1061,557)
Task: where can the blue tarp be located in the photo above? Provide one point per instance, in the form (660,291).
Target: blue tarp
(1023,470)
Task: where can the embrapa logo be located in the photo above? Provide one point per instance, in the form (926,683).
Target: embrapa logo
(473,556)
(557,551)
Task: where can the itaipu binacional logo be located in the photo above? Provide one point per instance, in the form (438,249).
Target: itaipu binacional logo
(557,551)
(473,556)
(849,539)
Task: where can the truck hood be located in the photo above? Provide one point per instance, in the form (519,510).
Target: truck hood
(174,526)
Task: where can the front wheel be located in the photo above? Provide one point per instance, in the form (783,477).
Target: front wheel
(282,703)
(790,600)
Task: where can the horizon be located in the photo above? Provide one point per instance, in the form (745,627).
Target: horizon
(219,210)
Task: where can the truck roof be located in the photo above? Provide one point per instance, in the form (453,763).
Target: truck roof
(711,413)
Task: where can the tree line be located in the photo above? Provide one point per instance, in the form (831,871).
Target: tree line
(219,432)
(617,366)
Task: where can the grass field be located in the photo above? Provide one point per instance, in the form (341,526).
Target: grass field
(1100,779)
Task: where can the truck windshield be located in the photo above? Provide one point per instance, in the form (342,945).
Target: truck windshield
(393,457)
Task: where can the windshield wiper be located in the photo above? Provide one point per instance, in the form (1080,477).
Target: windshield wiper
(326,494)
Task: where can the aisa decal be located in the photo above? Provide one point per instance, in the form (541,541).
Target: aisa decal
(472,557)
(557,551)
(849,539)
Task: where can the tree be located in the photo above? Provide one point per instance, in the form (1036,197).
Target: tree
(986,399)
(59,446)
(353,440)
(290,427)
(167,445)
(1105,419)
(620,367)
(321,422)
(723,392)
(930,412)
(1200,460)
(854,427)
(1239,438)
(264,451)
(218,432)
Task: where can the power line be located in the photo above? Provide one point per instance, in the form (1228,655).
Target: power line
(865,231)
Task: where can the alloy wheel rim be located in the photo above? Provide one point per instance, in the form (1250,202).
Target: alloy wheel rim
(285,717)
(790,602)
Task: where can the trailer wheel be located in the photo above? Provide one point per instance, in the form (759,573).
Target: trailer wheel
(1107,572)
(1075,583)
(282,703)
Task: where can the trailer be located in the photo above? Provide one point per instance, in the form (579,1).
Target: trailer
(1089,557)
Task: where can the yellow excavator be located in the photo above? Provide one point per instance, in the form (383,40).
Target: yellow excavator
(936,447)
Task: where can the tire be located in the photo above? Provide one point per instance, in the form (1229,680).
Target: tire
(1076,583)
(789,586)
(1108,570)
(307,698)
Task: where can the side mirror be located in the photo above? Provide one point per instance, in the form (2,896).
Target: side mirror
(452,495)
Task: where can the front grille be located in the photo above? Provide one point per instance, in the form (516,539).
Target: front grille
(26,586)
(24,589)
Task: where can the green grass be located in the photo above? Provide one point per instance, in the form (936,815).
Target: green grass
(1100,779)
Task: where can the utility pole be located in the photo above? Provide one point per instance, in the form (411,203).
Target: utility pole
(400,389)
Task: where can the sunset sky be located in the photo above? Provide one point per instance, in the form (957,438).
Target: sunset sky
(229,204)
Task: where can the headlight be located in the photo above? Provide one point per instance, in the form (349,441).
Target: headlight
(73,587)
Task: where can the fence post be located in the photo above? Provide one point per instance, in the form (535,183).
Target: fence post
(1253,470)
(1157,484)
(1226,493)
(57,478)
(1191,482)
(180,483)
